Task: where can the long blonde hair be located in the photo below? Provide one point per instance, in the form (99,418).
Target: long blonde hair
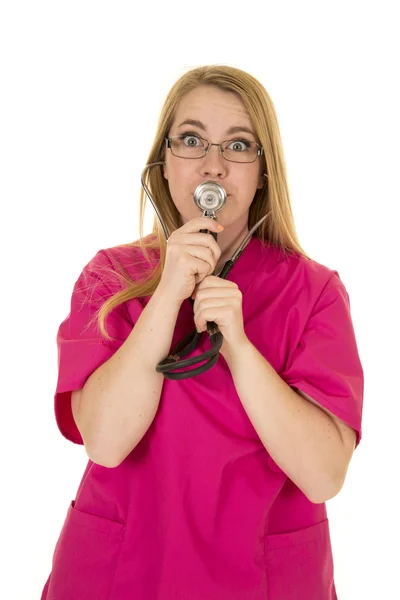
(278,228)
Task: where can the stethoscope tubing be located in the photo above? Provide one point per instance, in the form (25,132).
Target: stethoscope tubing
(173,361)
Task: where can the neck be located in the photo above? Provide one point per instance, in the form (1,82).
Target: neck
(228,241)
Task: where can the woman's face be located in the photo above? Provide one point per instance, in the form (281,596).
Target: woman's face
(216,111)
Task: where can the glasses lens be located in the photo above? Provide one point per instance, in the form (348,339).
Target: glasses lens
(240,151)
(189,146)
(192,146)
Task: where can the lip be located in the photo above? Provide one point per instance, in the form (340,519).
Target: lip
(227,195)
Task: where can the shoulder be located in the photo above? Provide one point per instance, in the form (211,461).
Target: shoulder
(111,269)
(126,259)
(306,274)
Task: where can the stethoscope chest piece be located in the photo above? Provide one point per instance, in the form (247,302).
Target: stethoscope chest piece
(210,196)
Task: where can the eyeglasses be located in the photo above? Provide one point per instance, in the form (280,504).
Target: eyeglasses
(193,146)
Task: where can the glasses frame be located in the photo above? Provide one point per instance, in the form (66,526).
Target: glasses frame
(168,141)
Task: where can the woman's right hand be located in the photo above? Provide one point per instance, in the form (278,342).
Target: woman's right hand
(191,256)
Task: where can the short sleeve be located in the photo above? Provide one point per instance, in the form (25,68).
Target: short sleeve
(325,364)
(81,346)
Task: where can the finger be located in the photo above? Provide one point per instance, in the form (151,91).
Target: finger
(209,303)
(217,287)
(222,315)
(195,225)
(200,241)
(217,282)
(205,294)
(204,255)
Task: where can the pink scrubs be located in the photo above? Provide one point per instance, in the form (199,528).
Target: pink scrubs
(199,510)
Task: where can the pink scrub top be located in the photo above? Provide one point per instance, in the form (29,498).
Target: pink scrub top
(199,510)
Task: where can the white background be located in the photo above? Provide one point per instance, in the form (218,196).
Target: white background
(82,84)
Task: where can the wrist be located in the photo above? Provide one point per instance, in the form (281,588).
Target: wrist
(230,350)
(164,295)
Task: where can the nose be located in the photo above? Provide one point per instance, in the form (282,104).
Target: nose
(213,164)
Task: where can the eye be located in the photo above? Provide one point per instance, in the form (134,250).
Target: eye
(239,145)
(190,139)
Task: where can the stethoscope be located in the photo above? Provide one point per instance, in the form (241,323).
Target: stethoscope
(209,197)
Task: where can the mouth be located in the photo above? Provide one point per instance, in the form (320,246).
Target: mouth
(227,195)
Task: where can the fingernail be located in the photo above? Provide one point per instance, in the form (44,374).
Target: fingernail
(220,227)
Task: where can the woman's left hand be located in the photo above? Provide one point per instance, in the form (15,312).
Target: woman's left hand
(220,301)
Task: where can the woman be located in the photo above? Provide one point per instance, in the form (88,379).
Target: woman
(211,487)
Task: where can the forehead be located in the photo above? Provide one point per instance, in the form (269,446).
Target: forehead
(209,103)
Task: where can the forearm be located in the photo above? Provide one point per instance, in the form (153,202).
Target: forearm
(300,437)
(120,399)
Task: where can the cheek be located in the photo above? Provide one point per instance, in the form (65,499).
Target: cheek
(180,183)
(179,186)
(182,179)
(177,174)
(247,183)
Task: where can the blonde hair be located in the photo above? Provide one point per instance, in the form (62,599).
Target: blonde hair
(278,228)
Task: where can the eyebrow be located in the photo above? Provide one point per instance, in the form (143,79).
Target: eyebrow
(237,129)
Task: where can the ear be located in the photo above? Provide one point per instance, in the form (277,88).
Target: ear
(165,172)
(262,181)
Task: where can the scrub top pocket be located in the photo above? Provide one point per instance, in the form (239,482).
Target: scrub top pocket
(85,557)
(300,564)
